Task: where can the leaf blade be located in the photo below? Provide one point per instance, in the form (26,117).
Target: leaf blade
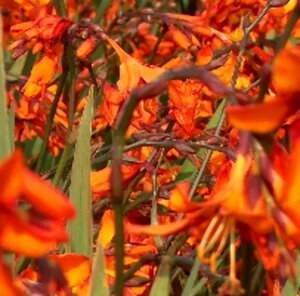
(98,284)
(161,285)
(80,188)
(6,146)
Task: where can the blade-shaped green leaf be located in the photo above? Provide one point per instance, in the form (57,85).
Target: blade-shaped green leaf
(5,141)
(291,287)
(198,287)
(80,191)
(11,127)
(101,9)
(191,279)
(188,169)
(161,285)
(98,284)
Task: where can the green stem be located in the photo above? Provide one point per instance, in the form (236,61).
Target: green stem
(60,7)
(50,120)
(5,147)
(207,157)
(62,164)
(101,9)
(119,248)
(289,28)
(30,59)
(69,97)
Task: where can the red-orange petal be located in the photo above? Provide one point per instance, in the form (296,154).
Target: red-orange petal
(285,75)
(261,118)
(290,202)
(179,199)
(22,238)
(76,268)
(45,197)
(10,182)
(163,229)
(6,284)
(107,230)
(86,48)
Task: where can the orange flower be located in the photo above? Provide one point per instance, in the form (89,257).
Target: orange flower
(41,75)
(107,230)
(6,287)
(67,274)
(287,190)
(269,115)
(186,104)
(212,221)
(194,23)
(181,39)
(37,230)
(77,270)
(86,48)
(100,180)
(44,33)
(145,113)
(112,100)
(23,5)
(131,70)
(114,7)
(35,233)
(147,44)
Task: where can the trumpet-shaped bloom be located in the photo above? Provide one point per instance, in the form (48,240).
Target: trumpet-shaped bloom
(131,70)
(32,212)
(32,232)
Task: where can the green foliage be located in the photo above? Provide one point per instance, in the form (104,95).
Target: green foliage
(80,190)
(161,285)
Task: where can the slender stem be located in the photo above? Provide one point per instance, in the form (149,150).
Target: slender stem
(5,148)
(119,248)
(70,97)
(50,120)
(206,159)
(62,164)
(157,43)
(289,28)
(146,259)
(232,271)
(153,216)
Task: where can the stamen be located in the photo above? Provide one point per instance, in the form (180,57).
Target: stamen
(216,236)
(224,237)
(207,234)
(232,251)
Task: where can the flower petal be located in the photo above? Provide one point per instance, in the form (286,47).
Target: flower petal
(107,231)
(285,75)
(46,198)
(261,118)
(6,287)
(23,238)
(290,201)
(76,268)
(10,183)
(179,200)
(163,229)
